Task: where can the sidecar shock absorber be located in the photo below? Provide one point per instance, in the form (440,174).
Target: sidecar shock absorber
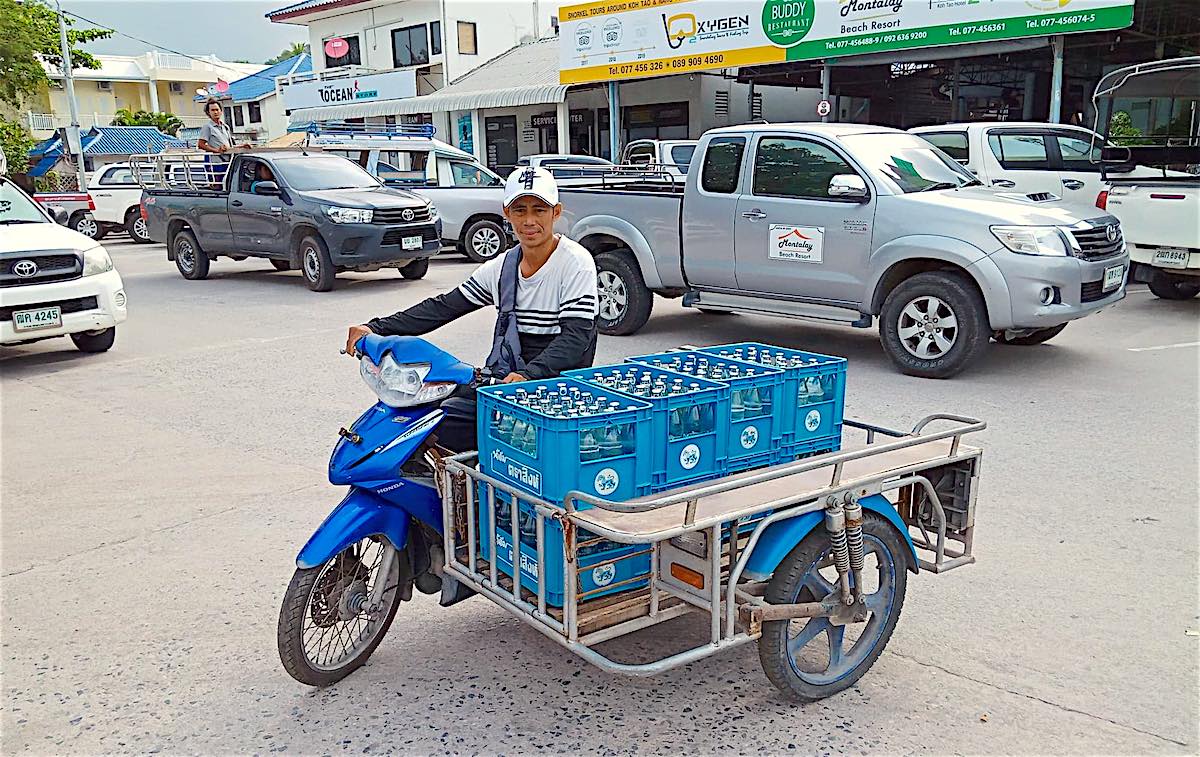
(835,524)
(854,541)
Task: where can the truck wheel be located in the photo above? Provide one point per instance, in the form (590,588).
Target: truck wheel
(135,226)
(625,302)
(86,225)
(483,241)
(315,263)
(416,269)
(95,341)
(934,324)
(191,261)
(1037,337)
(281,265)
(1168,287)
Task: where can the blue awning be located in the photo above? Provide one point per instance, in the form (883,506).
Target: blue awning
(43,165)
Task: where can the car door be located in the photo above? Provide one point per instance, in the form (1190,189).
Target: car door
(791,237)
(1079,164)
(257,221)
(708,214)
(112,194)
(1023,161)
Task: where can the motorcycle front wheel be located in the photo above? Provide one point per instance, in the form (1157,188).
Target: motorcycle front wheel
(334,615)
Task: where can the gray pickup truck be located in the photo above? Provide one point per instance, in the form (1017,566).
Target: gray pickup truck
(844,223)
(319,213)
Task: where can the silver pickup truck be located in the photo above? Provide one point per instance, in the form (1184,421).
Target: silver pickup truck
(846,223)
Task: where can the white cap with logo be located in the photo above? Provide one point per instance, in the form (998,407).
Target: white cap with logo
(533,182)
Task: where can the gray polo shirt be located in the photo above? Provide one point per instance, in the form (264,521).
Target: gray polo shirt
(216,135)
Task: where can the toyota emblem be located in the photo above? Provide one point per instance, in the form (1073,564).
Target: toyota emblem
(1111,233)
(25,268)
(408,215)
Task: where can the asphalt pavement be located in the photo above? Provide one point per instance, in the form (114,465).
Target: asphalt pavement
(154,497)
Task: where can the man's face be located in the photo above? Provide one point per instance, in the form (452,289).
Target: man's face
(532,220)
(214,112)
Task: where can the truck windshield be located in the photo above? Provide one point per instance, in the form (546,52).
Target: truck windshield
(316,172)
(907,163)
(16,207)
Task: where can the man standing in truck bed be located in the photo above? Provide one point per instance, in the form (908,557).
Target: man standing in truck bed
(544,291)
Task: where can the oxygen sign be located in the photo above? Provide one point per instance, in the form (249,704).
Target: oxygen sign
(785,22)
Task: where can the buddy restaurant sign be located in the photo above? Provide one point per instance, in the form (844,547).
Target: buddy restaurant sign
(629,39)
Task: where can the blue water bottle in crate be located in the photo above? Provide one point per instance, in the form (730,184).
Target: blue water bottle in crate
(814,394)
(687,442)
(750,411)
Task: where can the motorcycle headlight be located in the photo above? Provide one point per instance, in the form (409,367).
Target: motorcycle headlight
(403,384)
(1032,240)
(349,215)
(96,260)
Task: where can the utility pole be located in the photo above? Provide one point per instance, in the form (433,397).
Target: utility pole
(73,139)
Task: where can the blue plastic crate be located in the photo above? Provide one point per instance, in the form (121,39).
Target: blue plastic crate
(752,408)
(605,567)
(687,442)
(549,454)
(810,448)
(814,391)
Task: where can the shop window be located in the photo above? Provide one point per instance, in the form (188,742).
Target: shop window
(351,58)
(435,37)
(722,165)
(410,46)
(468,44)
(1020,151)
(1079,154)
(239,118)
(953,143)
(255,111)
(785,167)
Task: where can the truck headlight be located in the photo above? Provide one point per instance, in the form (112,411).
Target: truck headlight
(349,215)
(1033,240)
(96,260)
(433,212)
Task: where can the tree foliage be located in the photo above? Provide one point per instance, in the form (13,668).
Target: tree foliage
(291,52)
(17,142)
(1122,131)
(167,123)
(29,31)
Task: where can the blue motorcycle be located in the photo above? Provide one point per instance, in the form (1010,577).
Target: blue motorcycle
(385,537)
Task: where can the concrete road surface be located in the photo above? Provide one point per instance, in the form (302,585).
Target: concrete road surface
(154,498)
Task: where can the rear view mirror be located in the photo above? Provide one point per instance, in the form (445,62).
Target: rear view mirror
(59,214)
(268,188)
(848,186)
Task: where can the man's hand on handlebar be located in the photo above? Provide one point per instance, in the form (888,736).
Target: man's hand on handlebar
(513,378)
(356,333)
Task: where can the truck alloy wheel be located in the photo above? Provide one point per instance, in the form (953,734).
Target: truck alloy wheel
(87,226)
(613,296)
(486,242)
(927,328)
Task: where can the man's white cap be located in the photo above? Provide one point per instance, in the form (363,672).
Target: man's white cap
(535,182)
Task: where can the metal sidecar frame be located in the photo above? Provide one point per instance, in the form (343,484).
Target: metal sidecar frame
(731,531)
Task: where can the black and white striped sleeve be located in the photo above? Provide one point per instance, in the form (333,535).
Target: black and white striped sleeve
(578,295)
(480,286)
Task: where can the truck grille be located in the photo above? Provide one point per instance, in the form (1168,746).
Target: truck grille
(393,236)
(77,305)
(1094,243)
(1090,291)
(396,215)
(61,267)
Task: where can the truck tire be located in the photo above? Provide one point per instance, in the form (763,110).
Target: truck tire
(1037,337)
(135,227)
(415,270)
(95,341)
(316,264)
(1168,287)
(83,223)
(191,261)
(624,301)
(934,324)
(484,240)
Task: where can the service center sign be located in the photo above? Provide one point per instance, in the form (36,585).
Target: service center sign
(395,85)
(628,39)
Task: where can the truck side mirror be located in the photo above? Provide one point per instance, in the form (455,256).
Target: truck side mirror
(59,214)
(268,188)
(849,186)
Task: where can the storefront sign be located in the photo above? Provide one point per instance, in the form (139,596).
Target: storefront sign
(550,120)
(395,85)
(629,39)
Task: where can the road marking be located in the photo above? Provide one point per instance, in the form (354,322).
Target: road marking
(1164,347)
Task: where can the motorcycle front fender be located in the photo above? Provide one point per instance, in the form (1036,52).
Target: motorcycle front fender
(362,513)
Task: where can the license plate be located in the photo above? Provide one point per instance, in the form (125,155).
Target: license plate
(42,318)
(1170,257)
(1113,276)
(410,243)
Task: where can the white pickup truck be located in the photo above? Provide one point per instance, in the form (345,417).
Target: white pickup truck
(118,197)
(844,223)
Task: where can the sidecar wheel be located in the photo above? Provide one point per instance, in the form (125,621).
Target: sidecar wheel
(811,658)
(326,630)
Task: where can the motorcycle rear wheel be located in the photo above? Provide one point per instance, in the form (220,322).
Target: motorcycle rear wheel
(327,627)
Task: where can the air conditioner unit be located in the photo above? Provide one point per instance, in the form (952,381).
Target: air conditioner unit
(176,88)
(104,86)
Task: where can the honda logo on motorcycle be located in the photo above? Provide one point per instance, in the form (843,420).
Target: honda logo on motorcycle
(25,268)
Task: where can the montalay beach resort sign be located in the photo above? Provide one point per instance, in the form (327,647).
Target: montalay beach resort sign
(629,39)
(316,93)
